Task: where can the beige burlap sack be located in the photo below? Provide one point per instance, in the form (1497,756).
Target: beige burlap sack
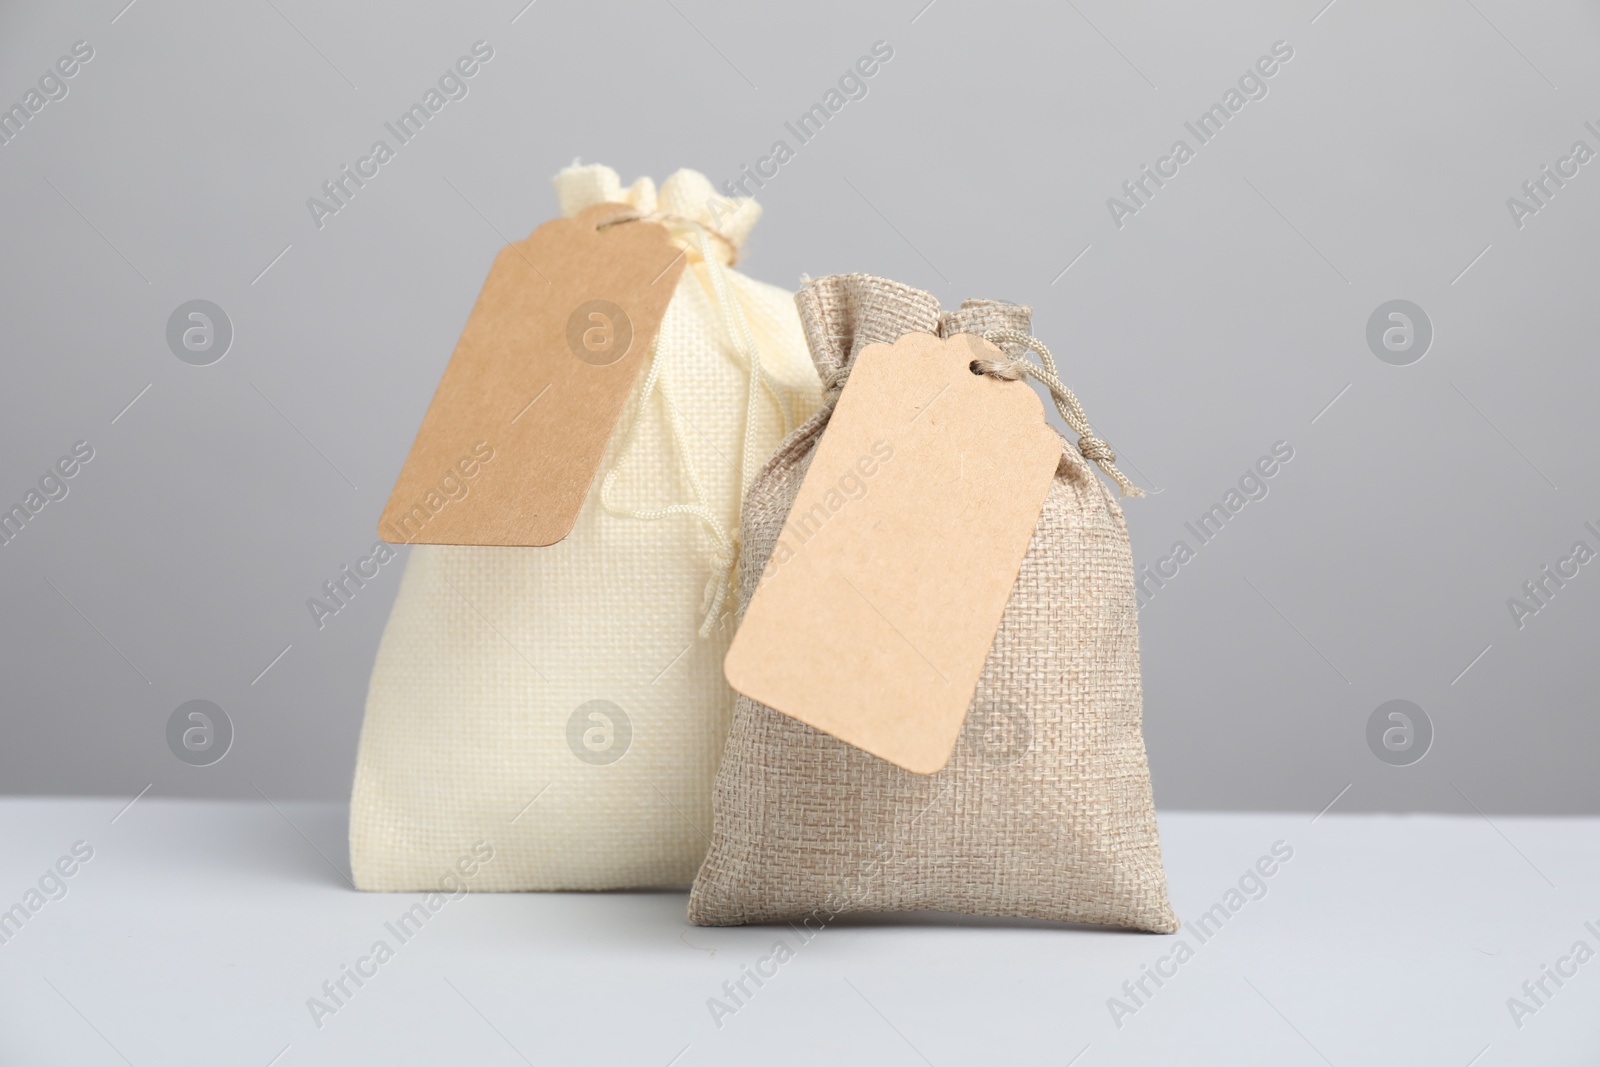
(563,708)
(1045,810)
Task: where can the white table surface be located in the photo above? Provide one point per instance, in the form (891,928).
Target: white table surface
(198,931)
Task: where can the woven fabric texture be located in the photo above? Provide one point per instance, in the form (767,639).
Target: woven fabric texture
(1045,809)
(490,654)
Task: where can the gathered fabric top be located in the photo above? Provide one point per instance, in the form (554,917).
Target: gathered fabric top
(687,197)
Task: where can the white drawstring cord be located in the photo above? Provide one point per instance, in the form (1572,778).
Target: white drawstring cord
(740,342)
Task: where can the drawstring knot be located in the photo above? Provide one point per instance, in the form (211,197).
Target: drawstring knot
(719,587)
(1096,449)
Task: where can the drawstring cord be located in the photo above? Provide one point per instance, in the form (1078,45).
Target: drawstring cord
(1012,369)
(742,343)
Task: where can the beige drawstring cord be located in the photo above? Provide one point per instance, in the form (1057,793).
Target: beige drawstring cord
(1012,369)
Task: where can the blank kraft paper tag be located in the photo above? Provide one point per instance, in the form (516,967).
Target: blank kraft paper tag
(876,612)
(520,422)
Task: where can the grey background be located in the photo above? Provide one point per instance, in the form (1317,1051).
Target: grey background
(1223,317)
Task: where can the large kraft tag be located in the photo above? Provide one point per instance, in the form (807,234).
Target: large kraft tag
(881,599)
(529,401)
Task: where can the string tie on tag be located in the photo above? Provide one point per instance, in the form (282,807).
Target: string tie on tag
(1013,368)
(681,220)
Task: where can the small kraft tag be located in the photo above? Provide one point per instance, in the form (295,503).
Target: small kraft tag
(878,607)
(510,444)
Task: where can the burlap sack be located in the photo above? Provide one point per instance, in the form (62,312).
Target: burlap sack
(1045,810)
(560,707)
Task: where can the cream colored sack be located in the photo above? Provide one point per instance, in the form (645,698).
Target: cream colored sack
(564,707)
